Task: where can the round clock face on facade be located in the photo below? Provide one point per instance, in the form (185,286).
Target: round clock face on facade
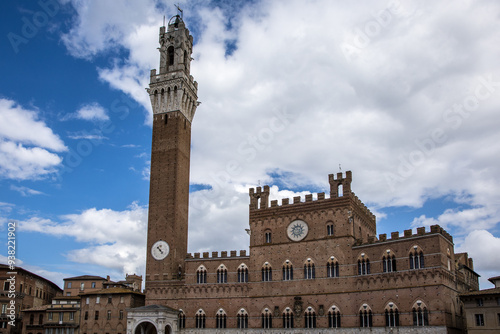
(297,230)
(160,250)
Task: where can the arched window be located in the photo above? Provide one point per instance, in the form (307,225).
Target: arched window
(334,317)
(185,59)
(365,316)
(391,315)
(340,190)
(222,274)
(201,275)
(416,258)
(309,270)
(242,319)
(267,237)
(332,267)
(287,271)
(310,318)
(242,273)
(220,319)
(40,319)
(200,319)
(181,319)
(267,319)
(389,262)
(329,228)
(267,272)
(420,314)
(288,318)
(32,319)
(363,265)
(170,55)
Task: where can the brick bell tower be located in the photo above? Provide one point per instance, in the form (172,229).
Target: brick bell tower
(174,101)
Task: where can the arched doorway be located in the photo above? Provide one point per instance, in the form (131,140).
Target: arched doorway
(168,329)
(146,328)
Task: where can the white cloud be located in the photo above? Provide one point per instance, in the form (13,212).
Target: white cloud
(19,162)
(114,239)
(25,191)
(87,136)
(6,207)
(482,246)
(92,112)
(23,126)
(88,112)
(26,144)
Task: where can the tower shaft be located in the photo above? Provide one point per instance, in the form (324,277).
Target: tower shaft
(174,101)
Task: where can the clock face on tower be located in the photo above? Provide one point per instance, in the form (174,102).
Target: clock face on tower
(297,230)
(160,250)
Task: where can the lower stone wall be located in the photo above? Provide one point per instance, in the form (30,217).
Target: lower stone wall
(373,330)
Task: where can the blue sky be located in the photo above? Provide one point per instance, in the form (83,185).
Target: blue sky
(405,95)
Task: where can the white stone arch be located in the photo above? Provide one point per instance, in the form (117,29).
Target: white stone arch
(144,326)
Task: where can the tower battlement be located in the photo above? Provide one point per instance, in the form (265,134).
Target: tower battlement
(340,187)
(215,255)
(421,231)
(259,198)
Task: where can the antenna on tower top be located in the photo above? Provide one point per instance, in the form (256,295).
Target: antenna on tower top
(163,20)
(340,168)
(179,10)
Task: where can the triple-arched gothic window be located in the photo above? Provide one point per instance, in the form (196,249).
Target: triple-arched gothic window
(391,315)
(365,316)
(266,319)
(222,274)
(310,318)
(200,319)
(287,271)
(389,262)
(221,319)
(363,265)
(267,272)
(242,273)
(242,319)
(416,258)
(309,269)
(334,317)
(288,318)
(201,275)
(420,314)
(332,267)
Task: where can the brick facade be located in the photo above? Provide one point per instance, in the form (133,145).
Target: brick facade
(30,291)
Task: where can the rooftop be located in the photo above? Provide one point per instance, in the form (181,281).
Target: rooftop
(85,277)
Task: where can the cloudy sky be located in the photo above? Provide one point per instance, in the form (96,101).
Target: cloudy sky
(404,94)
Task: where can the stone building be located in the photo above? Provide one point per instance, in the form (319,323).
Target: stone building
(105,310)
(82,296)
(73,286)
(315,263)
(27,290)
(482,309)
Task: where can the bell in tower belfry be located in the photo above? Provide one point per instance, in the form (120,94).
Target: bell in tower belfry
(174,101)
